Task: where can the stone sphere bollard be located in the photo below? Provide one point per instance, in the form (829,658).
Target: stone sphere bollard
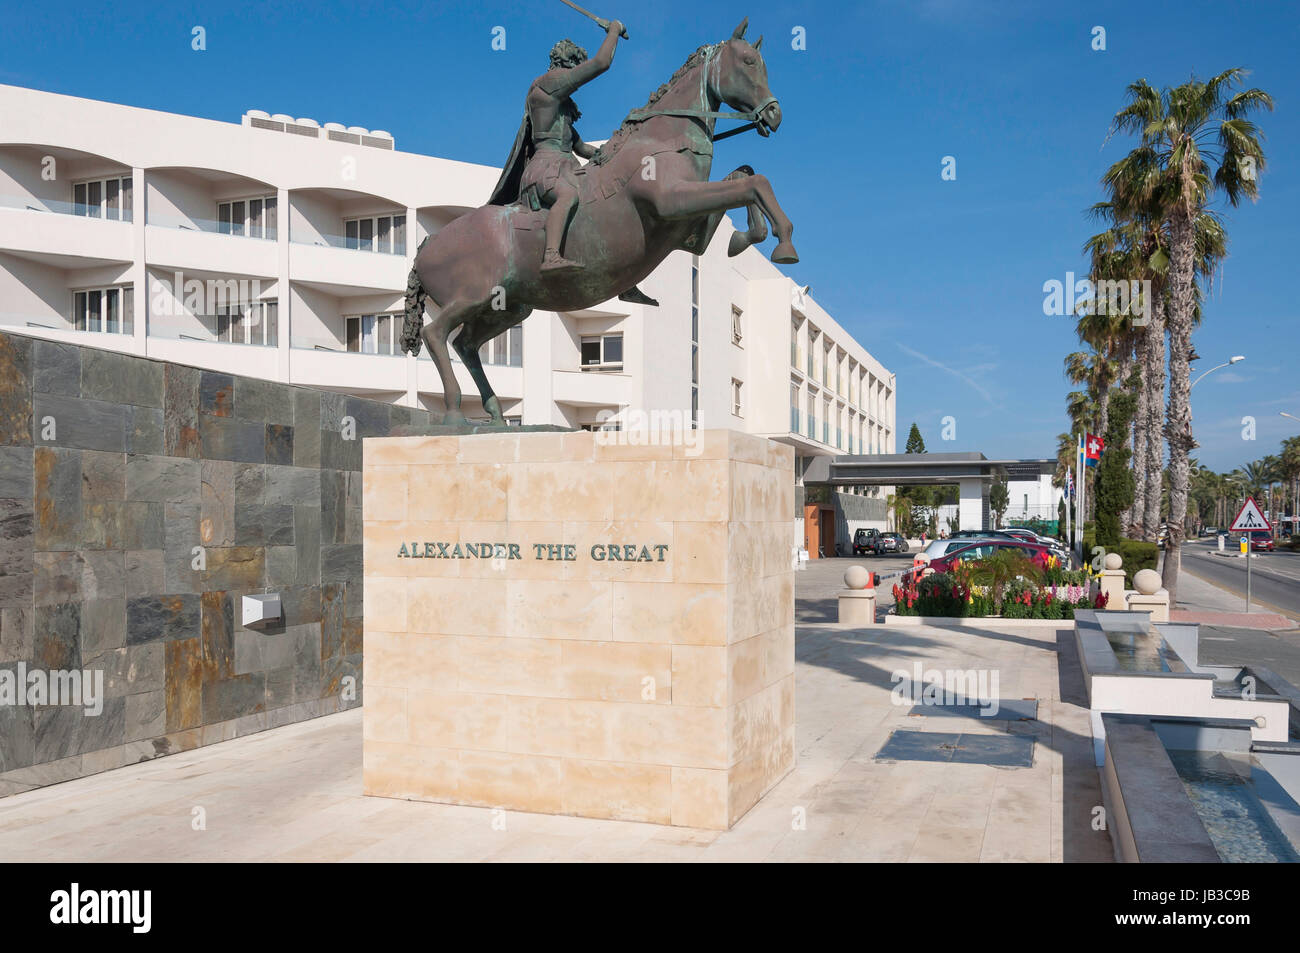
(1114,561)
(1147,581)
(857,577)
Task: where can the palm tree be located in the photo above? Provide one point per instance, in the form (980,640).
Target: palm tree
(1136,228)
(1066,448)
(1195,138)
(1290,466)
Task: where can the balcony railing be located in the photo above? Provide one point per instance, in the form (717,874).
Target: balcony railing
(327,240)
(39,322)
(58,207)
(796,420)
(260,232)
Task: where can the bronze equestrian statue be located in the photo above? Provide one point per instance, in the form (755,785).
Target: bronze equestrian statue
(644,194)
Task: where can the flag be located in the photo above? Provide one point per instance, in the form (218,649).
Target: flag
(1092,449)
(1069,484)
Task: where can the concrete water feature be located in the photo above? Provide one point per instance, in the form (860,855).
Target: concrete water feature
(1198,762)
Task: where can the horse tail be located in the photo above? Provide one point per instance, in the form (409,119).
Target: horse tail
(415,298)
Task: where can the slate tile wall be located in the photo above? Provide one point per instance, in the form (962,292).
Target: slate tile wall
(139,501)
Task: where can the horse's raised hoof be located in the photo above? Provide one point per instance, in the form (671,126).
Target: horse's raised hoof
(739,242)
(784,254)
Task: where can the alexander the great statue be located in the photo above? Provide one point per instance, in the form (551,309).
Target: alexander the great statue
(560,236)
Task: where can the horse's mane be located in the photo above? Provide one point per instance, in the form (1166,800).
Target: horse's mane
(615,142)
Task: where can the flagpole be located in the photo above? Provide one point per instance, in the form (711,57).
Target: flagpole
(1080,490)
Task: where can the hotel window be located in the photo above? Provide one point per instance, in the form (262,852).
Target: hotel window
(375,334)
(812,347)
(103,198)
(737,326)
(794,345)
(506,349)
(256,323)
(602,352)
(794,408)
(811,423)
(382,233)
(107,310)
(735,398)
(253,217)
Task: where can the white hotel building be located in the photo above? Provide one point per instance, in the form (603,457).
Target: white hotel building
(107,211)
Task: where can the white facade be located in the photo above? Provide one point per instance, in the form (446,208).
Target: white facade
(113,220)
(1027,499)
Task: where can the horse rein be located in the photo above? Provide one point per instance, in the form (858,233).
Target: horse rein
(751,117)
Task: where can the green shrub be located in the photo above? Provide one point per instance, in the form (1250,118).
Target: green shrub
(1135,553)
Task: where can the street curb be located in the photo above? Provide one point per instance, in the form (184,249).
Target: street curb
(975,622)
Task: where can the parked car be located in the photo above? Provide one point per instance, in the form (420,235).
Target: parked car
(982,548)
(981,534)
(863,541)
(1210,531)
(941,547)
(888,543)
(1030,536)
(1261,540)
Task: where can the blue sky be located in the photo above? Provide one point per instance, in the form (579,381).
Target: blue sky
(941,280)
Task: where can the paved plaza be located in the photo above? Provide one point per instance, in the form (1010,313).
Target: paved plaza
(294,793)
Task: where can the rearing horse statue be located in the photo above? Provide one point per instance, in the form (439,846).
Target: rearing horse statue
(645,194)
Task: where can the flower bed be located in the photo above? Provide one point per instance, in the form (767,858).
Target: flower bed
(944,594)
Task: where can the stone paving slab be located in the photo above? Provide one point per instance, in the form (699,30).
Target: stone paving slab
(294,793)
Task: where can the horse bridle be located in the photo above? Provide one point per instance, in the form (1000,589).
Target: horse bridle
(752,117)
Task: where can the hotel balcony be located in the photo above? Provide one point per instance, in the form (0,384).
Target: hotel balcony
(65,208)
(348,241)
(68,298)
(200,219)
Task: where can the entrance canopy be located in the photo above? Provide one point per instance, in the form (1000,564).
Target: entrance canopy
(972,472)
(923,469)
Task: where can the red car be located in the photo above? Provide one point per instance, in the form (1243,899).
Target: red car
(978,550)
(1261,540)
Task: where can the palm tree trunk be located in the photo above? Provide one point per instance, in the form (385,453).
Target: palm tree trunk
(1133,518)
(1154,380)
(1178,429)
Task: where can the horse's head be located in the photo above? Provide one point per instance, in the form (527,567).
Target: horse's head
(740,80)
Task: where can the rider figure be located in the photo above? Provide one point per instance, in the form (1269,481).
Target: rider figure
(542,169)
(553,169)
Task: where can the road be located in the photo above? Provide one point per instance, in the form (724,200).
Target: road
(1275,577)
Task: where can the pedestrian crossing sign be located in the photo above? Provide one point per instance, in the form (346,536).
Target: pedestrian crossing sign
(1250,517)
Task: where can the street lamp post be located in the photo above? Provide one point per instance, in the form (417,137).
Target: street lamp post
(1232,360)
(1294,508)
(1235,359)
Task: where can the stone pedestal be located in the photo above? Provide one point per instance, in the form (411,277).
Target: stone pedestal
(1157,603)
(560,624)
(1112,585)
(857,607)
